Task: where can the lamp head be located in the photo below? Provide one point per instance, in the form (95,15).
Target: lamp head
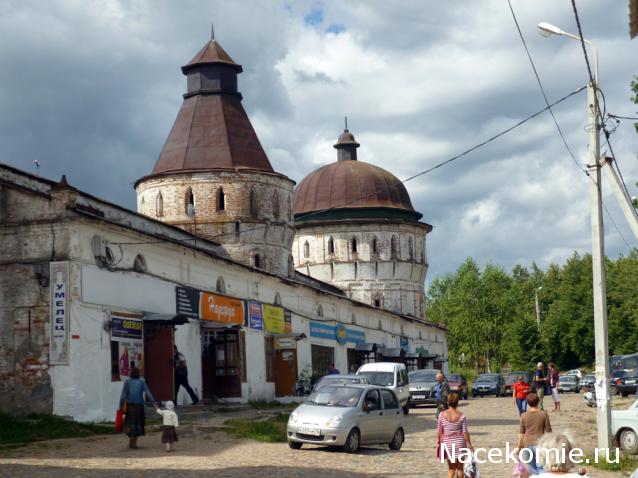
(547,29)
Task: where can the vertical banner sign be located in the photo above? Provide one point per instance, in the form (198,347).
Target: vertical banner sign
(127,341)
(187,301)
(219,308)
(287,321)
(59,341)
(255,317)
(274,321)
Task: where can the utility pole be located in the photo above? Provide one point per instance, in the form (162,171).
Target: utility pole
(603,410)
(538,308)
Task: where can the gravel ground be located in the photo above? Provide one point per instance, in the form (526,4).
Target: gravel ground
(203,448)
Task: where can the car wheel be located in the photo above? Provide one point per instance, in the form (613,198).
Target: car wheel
(406,409)
(629,441)
(614,391)
(397,440)
(295,445)
(352,442)
(625,394)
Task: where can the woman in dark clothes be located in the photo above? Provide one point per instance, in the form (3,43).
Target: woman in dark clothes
(133,394)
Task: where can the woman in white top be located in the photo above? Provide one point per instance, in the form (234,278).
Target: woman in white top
(554,453)
(169,424)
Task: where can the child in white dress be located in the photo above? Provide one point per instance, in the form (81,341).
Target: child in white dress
(169,425)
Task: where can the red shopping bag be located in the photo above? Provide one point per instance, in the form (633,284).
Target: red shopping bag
(119,421)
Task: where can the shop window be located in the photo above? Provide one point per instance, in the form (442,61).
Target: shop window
(306,250)
(322,357)
(331,246)
(353,362)
(139,264)
(159,205)
(221,200)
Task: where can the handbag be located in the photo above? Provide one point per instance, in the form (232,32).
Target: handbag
(119,421)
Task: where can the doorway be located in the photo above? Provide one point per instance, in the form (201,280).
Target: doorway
(223,364)
(159,370)
(281,367)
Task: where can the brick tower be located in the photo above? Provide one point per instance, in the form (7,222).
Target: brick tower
(213,177)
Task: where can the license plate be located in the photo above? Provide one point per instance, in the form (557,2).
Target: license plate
(419,397)
(309,431)
(630,382)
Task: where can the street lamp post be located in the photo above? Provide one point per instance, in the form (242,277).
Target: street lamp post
(603,415)
(538,308)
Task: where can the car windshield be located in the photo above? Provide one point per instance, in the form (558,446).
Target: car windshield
(589,377)
(567,378)
(385,379)
(423,375)
(619,374)
(454,377)
(336,397)
(487,377)
(324,382)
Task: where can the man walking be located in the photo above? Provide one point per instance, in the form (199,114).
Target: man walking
(181,376)
(442,392)
(540,382)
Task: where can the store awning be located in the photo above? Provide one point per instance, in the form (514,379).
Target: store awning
(296,336)
(393,352)
(366,347)
(172,319)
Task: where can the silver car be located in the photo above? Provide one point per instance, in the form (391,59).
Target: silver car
(568,383)
(349,416)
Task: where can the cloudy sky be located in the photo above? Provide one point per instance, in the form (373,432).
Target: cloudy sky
(91,89)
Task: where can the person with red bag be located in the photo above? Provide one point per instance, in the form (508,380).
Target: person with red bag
(119,421)
(519,393)
(134,393)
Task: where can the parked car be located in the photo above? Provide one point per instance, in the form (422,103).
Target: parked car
(624,382)
(489,384)
(575,373)
(339,380)
(512,377)
(568,383)
(624,362)
(457,384)
(391,375)
(624,428)
(348,416)
(423,387)
(587,382)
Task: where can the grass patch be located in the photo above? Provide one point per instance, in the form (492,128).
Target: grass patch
(624,464)
(19,431)
(271,430)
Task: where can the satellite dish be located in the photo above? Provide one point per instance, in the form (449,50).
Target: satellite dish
(190,210)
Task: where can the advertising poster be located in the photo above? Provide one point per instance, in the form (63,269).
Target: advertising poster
(127,342)
(255,317)
(287,321)
(274,321)
(219,308)
(59,343)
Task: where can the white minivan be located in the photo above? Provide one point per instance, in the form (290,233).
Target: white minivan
(390,375)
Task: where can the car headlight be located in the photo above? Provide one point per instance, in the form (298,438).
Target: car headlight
(293,418)
(334,421)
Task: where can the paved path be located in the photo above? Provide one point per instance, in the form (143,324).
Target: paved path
(203,448)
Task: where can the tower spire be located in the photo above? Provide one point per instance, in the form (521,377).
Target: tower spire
(346,145)
(212,32)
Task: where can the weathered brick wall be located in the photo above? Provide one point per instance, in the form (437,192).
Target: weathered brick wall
(395,279)
(256,217)
(28,241)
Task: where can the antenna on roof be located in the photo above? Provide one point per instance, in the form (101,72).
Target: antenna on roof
(37,167)
(212,32)
(346,118)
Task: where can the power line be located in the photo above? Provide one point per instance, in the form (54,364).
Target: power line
(623,117)
(540,84)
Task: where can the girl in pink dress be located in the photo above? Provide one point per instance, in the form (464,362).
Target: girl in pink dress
(454,438)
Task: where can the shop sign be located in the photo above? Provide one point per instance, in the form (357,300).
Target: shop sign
(287,321)
(187,300)
(59,343)
(285,343)
(219,308)
(274,319)
(340,333)
(255,316)
(127,341)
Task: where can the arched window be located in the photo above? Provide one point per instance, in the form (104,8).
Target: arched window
(221,200)
(331,246)
(139,264)
(220,286)
(253,202)
(353,319)
(393,247)
(275,205)
(159,205)
(375,245)
(277,299)
(189,202)
(257,261)
(410,248)
(377,300)
(306,250)
(237,228)
(320,310)
(354,245)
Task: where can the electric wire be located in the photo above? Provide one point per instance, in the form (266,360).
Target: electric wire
(623,117)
